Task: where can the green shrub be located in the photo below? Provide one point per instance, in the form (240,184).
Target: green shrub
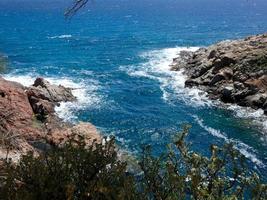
(71,172)
(77,171)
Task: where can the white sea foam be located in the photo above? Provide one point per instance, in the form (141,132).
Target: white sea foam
(60,37)
(256,116)
(156,66)
(86,94)
(243,148)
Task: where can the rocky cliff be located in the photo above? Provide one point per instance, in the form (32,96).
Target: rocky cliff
(232,71)
(28,121)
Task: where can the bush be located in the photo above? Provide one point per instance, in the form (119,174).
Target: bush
(77,171)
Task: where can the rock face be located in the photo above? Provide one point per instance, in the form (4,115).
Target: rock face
(44,96)
(233,71)
(28,121)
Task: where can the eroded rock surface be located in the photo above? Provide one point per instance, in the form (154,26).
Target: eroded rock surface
(28,121)
(233,71)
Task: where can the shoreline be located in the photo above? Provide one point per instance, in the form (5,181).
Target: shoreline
(233,72)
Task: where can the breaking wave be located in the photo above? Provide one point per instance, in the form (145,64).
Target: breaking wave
(243,148)
(60,37)
(156,66)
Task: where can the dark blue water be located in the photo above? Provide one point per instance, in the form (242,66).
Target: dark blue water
(116,53)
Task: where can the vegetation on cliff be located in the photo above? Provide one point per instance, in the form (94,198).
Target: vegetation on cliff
(79,171)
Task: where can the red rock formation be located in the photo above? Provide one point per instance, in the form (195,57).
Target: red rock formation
(28,121)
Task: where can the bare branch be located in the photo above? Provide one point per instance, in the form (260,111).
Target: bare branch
(77,5)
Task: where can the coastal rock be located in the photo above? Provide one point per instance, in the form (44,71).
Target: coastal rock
(255,101)
(227,94)
(85,130)
(44,90)
(44,96)
(28,122)
(181,61)
(15,110)
(233,71)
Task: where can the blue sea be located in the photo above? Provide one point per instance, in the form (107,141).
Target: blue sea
(116,54)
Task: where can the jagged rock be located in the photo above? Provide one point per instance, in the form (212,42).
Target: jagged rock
(260,83)
(15,110)
(227,93)
(241,94)
(254,101)
(239,63)
(212,54)
(42,108)
(192,82)
(224,74)
(27,119)
(44,96)
(217,78)
(53,93)
(181,61)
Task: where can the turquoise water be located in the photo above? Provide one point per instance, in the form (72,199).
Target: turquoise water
(116,54)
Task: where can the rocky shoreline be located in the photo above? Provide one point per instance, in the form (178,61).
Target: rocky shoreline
(28,121)
(232,71)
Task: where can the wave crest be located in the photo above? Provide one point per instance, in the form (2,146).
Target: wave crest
(60,37)
(156,66)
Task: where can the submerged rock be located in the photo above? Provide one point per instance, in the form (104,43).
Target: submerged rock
(3,63)
(233,71)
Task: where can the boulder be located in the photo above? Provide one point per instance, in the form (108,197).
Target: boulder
(217,78)
(242,93)
(44,96)
(192,82)
(42,108)
(255,101)
(224,74)
(226,95)
(260,83)
(44,90)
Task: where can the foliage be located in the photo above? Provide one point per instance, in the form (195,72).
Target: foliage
(187,174)
(72,172)
(79,171)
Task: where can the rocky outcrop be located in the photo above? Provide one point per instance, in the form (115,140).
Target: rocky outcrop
(233,71)
(28,121)
(44,96)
